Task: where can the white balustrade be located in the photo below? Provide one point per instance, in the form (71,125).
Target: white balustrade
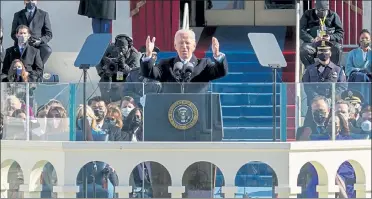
(286,159)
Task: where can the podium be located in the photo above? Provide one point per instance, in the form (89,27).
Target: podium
(189,117)
(179,117)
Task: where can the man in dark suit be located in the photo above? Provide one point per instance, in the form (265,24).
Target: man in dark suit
(204,70)
(39,23)
(102,13)
(199,178)
(1,43)
(29,55)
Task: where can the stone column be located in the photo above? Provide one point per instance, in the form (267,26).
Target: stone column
(31,192)
(327,191)
(67,191)
(123,191)
(229,192)
(176,191)
(285,191)
(4,190)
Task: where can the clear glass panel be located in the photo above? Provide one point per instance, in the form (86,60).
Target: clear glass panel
(225,5)
(280,4)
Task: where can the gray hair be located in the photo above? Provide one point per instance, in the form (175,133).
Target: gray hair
(184,31)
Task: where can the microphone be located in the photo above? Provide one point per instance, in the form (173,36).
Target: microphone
(177,68)
(189,67)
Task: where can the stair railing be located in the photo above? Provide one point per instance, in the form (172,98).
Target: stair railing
(298,70)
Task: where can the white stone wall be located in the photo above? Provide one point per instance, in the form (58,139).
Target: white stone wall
(286,159)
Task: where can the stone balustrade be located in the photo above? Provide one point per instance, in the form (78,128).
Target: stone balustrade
(286,159)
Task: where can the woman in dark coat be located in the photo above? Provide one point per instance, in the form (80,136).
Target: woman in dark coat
(102,13)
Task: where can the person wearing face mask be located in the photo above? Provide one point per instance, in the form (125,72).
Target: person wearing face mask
(29,55)
(359,61)
(132,128)
(103,123)
(126,106)
(120,58)
(355,100)
(319,24)
(365,120)
(323,72)
(40,25)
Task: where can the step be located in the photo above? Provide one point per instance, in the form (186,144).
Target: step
(236,99)
(234,121)
(250,66)
(244,87)
(249,111)
(259,77)
(256,133)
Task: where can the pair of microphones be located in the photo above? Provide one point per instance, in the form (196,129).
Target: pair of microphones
(183,71)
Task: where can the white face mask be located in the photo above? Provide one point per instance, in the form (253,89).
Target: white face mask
(126,111)
(366,126)
(23,39)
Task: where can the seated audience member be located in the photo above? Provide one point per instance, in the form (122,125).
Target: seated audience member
(365,119)
(29,55)
(359,61)
(100,111)
(19,113)
(57,126)
(126,106)
(40,27)
(114,116)
(133,128)
(355,100)
(135,79)
(320,24)
(12,103)
(90,123)
(17,72)
(349,112)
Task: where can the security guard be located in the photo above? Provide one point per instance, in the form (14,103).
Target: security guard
(318,24)
(322,72)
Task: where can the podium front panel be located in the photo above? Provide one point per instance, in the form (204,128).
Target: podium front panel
(182,117)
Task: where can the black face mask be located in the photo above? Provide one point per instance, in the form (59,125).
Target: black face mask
(136,122)
(322,13)
(324,56)
(100,114)
(319,117)
(30,5)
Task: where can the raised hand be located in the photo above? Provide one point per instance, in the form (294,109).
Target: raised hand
(215,47)
(150,44)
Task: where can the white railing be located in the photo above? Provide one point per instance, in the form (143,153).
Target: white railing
(286,159)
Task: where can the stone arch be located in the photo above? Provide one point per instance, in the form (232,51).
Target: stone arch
(314,172)
(157,173)
(101,177)
(12,176)
(344,169)
(256,174)
(201,177)
(43,173)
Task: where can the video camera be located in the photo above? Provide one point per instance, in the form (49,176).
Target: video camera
(111,63)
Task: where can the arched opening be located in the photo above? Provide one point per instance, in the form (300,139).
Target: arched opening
(202,180)
(97,179)
(348,174)
(310,176)
(256,179)
(150,180)
(44,174)
(11,173)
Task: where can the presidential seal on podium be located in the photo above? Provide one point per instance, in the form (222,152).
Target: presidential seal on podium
(183,114)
